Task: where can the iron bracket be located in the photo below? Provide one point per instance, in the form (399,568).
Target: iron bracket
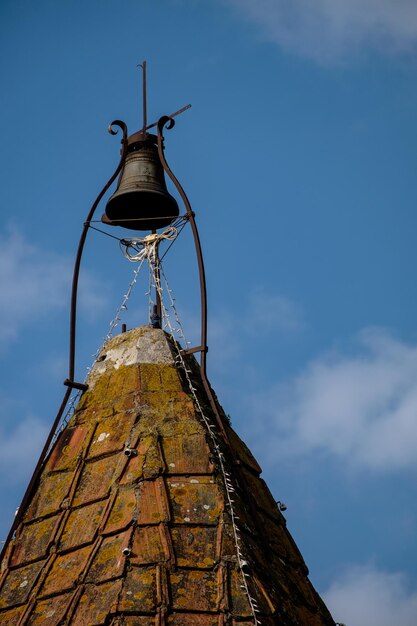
(193,350)
(73,385)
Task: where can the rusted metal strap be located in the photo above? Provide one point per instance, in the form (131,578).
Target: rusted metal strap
(73,385)
(193,350)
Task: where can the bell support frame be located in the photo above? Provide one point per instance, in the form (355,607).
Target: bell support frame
(168,122)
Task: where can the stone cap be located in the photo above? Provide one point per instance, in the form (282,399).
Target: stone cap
(137,346)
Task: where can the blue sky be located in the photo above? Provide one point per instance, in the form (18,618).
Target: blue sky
(299,156)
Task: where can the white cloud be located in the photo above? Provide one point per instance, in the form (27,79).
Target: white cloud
(33,281)
(329,30)
(365,595)
(360,406)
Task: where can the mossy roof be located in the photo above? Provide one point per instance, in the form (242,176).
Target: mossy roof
(182,532)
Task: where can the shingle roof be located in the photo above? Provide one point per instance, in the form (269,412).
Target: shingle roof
(182,532)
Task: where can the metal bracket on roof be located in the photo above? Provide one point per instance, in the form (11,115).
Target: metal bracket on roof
(193,350)
(73,385)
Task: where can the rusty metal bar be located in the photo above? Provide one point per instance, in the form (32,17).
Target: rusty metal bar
(158,305)
(74,292)
(157,291)
(144,95)
(188,106)
(69,382)
(194,350)
(73,385)
(169,123)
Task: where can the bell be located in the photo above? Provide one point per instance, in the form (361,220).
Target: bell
(141,200)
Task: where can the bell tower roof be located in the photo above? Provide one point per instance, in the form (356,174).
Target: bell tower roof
(145,507)
(146,512)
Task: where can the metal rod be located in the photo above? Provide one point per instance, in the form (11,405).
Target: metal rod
(190,214)
(74,385)
(71,367)
(187,106)
(165,120)
(158,295)
(144,95)
(157,282)
(74,291)
(194,350)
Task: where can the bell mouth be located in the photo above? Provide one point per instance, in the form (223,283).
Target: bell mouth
(141,210)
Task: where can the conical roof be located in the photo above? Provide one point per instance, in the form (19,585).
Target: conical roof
(146,513)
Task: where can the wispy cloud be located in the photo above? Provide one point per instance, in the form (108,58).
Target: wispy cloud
(33,281)
(366,595)
(332,30)
(263,314)
(359,405)
(267,311)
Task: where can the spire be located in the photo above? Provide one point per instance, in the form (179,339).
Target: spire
(146,513)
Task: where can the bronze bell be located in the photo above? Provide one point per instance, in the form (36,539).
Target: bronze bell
(141,200)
